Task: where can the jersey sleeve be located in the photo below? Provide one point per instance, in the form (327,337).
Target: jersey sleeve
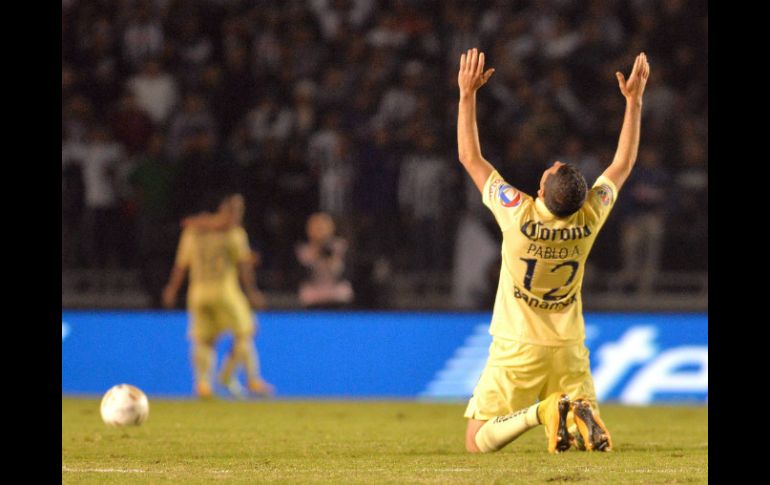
(601,198)
(503,200)
(184,251)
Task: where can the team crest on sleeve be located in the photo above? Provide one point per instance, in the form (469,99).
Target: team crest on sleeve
(605,194)
(509,197)
(493,188)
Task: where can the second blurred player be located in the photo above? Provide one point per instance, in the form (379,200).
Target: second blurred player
(215,249)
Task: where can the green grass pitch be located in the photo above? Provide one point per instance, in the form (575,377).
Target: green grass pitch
(364,442)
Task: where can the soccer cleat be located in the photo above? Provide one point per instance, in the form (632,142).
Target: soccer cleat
(203,390)
(591,428)
(261,388)
(552,413)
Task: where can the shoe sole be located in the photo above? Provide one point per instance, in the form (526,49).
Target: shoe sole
(560,440)
(591,428)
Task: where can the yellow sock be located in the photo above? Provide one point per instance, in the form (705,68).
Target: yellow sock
(245,353)
(202,358)
(542,405)
(500,431)
(228,367)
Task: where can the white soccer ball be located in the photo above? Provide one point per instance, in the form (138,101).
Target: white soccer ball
(125,405)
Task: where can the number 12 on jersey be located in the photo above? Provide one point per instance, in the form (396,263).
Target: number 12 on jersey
(550,295)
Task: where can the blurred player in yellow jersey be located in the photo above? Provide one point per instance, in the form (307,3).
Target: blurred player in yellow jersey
(215,250)
(538,368)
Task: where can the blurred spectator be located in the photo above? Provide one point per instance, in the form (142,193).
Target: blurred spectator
(152,178)
(155,91)
(689,223)
(332,14)
(194,117)
(323,257)
(100,158)
(100,64)
(269,121)
(238,91)
(422,192)
(143,37)
(643,224)
(194,50)
(131,125)
(329,153)
(203,173)
(400,102)
(73,204)
(304,111)
(77,117)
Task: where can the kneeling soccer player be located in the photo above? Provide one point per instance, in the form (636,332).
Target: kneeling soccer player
(538,368)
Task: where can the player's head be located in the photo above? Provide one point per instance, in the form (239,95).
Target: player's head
(233,206)
(563,189)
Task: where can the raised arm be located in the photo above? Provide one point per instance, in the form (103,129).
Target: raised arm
(178,275)
(207,221)
(628,145)
(470,78)
(179,271)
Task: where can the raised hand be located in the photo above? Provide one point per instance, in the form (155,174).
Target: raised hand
(472,75)
(633,88)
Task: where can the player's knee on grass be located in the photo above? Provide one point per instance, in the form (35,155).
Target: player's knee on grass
(474,425)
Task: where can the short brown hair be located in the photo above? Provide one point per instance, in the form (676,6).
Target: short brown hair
(565,191)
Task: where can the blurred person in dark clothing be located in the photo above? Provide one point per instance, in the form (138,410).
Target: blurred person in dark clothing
(193,117)
(202,171)
(238,90)
(193,49)
(100,159)
(143,37)
(689,222)
(643,226)
(152,179)
(422,182)
(375,200)
(131,125)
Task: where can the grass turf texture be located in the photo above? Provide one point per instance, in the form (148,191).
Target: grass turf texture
(364,441)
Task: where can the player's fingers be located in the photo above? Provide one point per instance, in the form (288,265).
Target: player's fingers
(488,74)
(468,59)
(621,80)
(474,59)
(480,67)
(462,62)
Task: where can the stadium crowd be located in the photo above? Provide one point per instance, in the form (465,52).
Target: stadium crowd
(348,107)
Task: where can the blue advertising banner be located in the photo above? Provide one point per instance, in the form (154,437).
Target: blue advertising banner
(636,358)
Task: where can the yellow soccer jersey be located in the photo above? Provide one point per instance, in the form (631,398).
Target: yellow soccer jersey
(538,297)
(212,257)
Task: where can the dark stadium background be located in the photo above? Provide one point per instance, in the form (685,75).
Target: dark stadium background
(318,105)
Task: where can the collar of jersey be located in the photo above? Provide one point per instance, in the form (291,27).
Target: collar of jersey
(543,211)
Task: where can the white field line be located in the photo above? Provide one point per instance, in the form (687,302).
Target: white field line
(574,469)
(65,468)
(102,470)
